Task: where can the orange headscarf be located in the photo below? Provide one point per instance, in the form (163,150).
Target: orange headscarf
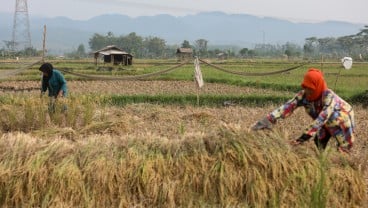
(314,80)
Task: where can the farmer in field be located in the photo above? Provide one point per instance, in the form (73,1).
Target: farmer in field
(332,116)
(53,81)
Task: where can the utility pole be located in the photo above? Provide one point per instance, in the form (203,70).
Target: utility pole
(21,33)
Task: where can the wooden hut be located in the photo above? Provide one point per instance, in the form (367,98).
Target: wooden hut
(114,55)
(184,54)
(222,56)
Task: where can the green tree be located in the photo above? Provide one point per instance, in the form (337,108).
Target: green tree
(292,50)
(132,43)
(362,41)
(345,43)
(310,47)
(111,39)
(81,51)
(326,45)
(155,47)
(251,53)
(201,46)
(363,32)
(244,52)
(186,44)
(97,42)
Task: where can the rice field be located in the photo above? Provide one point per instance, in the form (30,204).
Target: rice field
(159,154)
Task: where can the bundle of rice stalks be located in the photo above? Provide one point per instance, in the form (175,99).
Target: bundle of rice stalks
(225,168)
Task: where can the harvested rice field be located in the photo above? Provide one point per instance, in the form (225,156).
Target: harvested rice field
(112,148)
(156,87)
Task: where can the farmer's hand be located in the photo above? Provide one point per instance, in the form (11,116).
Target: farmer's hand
(60,94)
(264,123)
(61,100)
(295,142)
(345,150)
(300,140)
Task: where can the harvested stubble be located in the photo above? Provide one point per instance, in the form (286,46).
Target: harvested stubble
(155,156)
(137,87)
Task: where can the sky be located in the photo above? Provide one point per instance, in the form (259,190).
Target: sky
(353,11)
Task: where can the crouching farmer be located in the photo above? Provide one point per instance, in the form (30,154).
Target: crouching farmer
(53,81)
(332,116)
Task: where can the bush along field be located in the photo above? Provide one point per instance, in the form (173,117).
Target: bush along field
(162,142)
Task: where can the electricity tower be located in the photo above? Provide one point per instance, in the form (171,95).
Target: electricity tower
(21,33)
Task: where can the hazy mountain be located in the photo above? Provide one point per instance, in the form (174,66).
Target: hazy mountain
(64,34)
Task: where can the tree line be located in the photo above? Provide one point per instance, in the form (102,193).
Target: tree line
(355,46)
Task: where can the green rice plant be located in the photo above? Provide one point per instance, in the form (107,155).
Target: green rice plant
(90,105)
(321,188)
(181,129)
(75,112)
(29,113)
(35,115)
(347,83)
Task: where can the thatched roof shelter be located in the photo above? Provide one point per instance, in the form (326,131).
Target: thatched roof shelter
(114,55)
(184,54)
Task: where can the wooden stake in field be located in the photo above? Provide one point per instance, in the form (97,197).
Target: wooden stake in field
(198,77)
(44,43)
(322,63)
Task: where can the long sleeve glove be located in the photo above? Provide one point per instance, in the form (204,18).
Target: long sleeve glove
(264,123)
(303,138)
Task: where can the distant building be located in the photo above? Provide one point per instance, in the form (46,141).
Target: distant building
(222,56)
(114,55)
(184,54)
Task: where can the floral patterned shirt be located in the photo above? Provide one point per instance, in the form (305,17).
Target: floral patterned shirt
(330,111)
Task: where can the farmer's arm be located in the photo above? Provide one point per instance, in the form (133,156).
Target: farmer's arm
(63,87)
(281,112)
(43,85)
(287,109)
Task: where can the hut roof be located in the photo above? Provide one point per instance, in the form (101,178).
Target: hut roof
(111,50)
(184,50)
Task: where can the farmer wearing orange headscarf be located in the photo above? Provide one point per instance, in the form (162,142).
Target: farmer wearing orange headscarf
(332,116)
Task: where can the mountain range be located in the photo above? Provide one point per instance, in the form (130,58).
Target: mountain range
(240,30)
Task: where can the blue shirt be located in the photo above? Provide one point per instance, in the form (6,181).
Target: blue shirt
(56,83)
